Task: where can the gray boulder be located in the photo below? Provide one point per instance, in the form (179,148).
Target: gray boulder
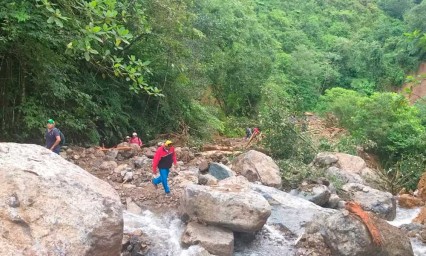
(290,212)
(215,240)
(256,166)
(58,208)
(381,203)
(220,171)
(228,207)
(347,235)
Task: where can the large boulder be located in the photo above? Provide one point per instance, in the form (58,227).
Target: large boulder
(381,203)
(233,208)
(346,235)
(215,240)
(347,168)
(256,166)
(290,212)
(51,206)
(220,171)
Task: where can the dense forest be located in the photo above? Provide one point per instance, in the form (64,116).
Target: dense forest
(104,68)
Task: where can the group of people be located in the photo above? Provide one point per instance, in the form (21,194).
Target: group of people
(164,157)
(134,139)
(252,132)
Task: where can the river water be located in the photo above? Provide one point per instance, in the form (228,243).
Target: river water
(165,232)
(405,216)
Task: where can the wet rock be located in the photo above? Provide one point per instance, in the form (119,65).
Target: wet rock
(220,171)
(215,240)
(381,203)
(256,166)
(60,205)
(290,212)
(346,234)
(237,210)
(132,207)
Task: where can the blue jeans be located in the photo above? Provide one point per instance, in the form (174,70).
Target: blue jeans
(164,174)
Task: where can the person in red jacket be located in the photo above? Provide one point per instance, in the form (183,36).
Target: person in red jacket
(136,140)
(164,157)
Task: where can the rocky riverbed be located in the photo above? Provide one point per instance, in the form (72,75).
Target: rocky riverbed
(225,201)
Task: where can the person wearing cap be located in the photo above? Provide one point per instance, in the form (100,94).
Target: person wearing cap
(164,157)
(53,137)
(135,139)
(128,139)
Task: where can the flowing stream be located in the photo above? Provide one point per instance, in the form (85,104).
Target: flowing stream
(165,232)
(405,216)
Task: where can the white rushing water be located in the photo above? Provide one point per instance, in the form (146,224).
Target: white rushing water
(165,232)
(405,216)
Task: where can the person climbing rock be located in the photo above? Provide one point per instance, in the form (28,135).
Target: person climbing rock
(53,137)
(164,157)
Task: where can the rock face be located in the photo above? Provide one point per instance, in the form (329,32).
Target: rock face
(408,201)
(220,171)
(381,203)
(345,235)
(256,166)
(235,209)
(290,212)
(51,206)
(215,240)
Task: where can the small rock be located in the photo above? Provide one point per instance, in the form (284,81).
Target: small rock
(203,166)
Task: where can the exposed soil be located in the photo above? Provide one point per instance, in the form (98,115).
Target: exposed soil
(418,91)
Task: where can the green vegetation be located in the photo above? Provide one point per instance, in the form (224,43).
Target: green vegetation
(104,68)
